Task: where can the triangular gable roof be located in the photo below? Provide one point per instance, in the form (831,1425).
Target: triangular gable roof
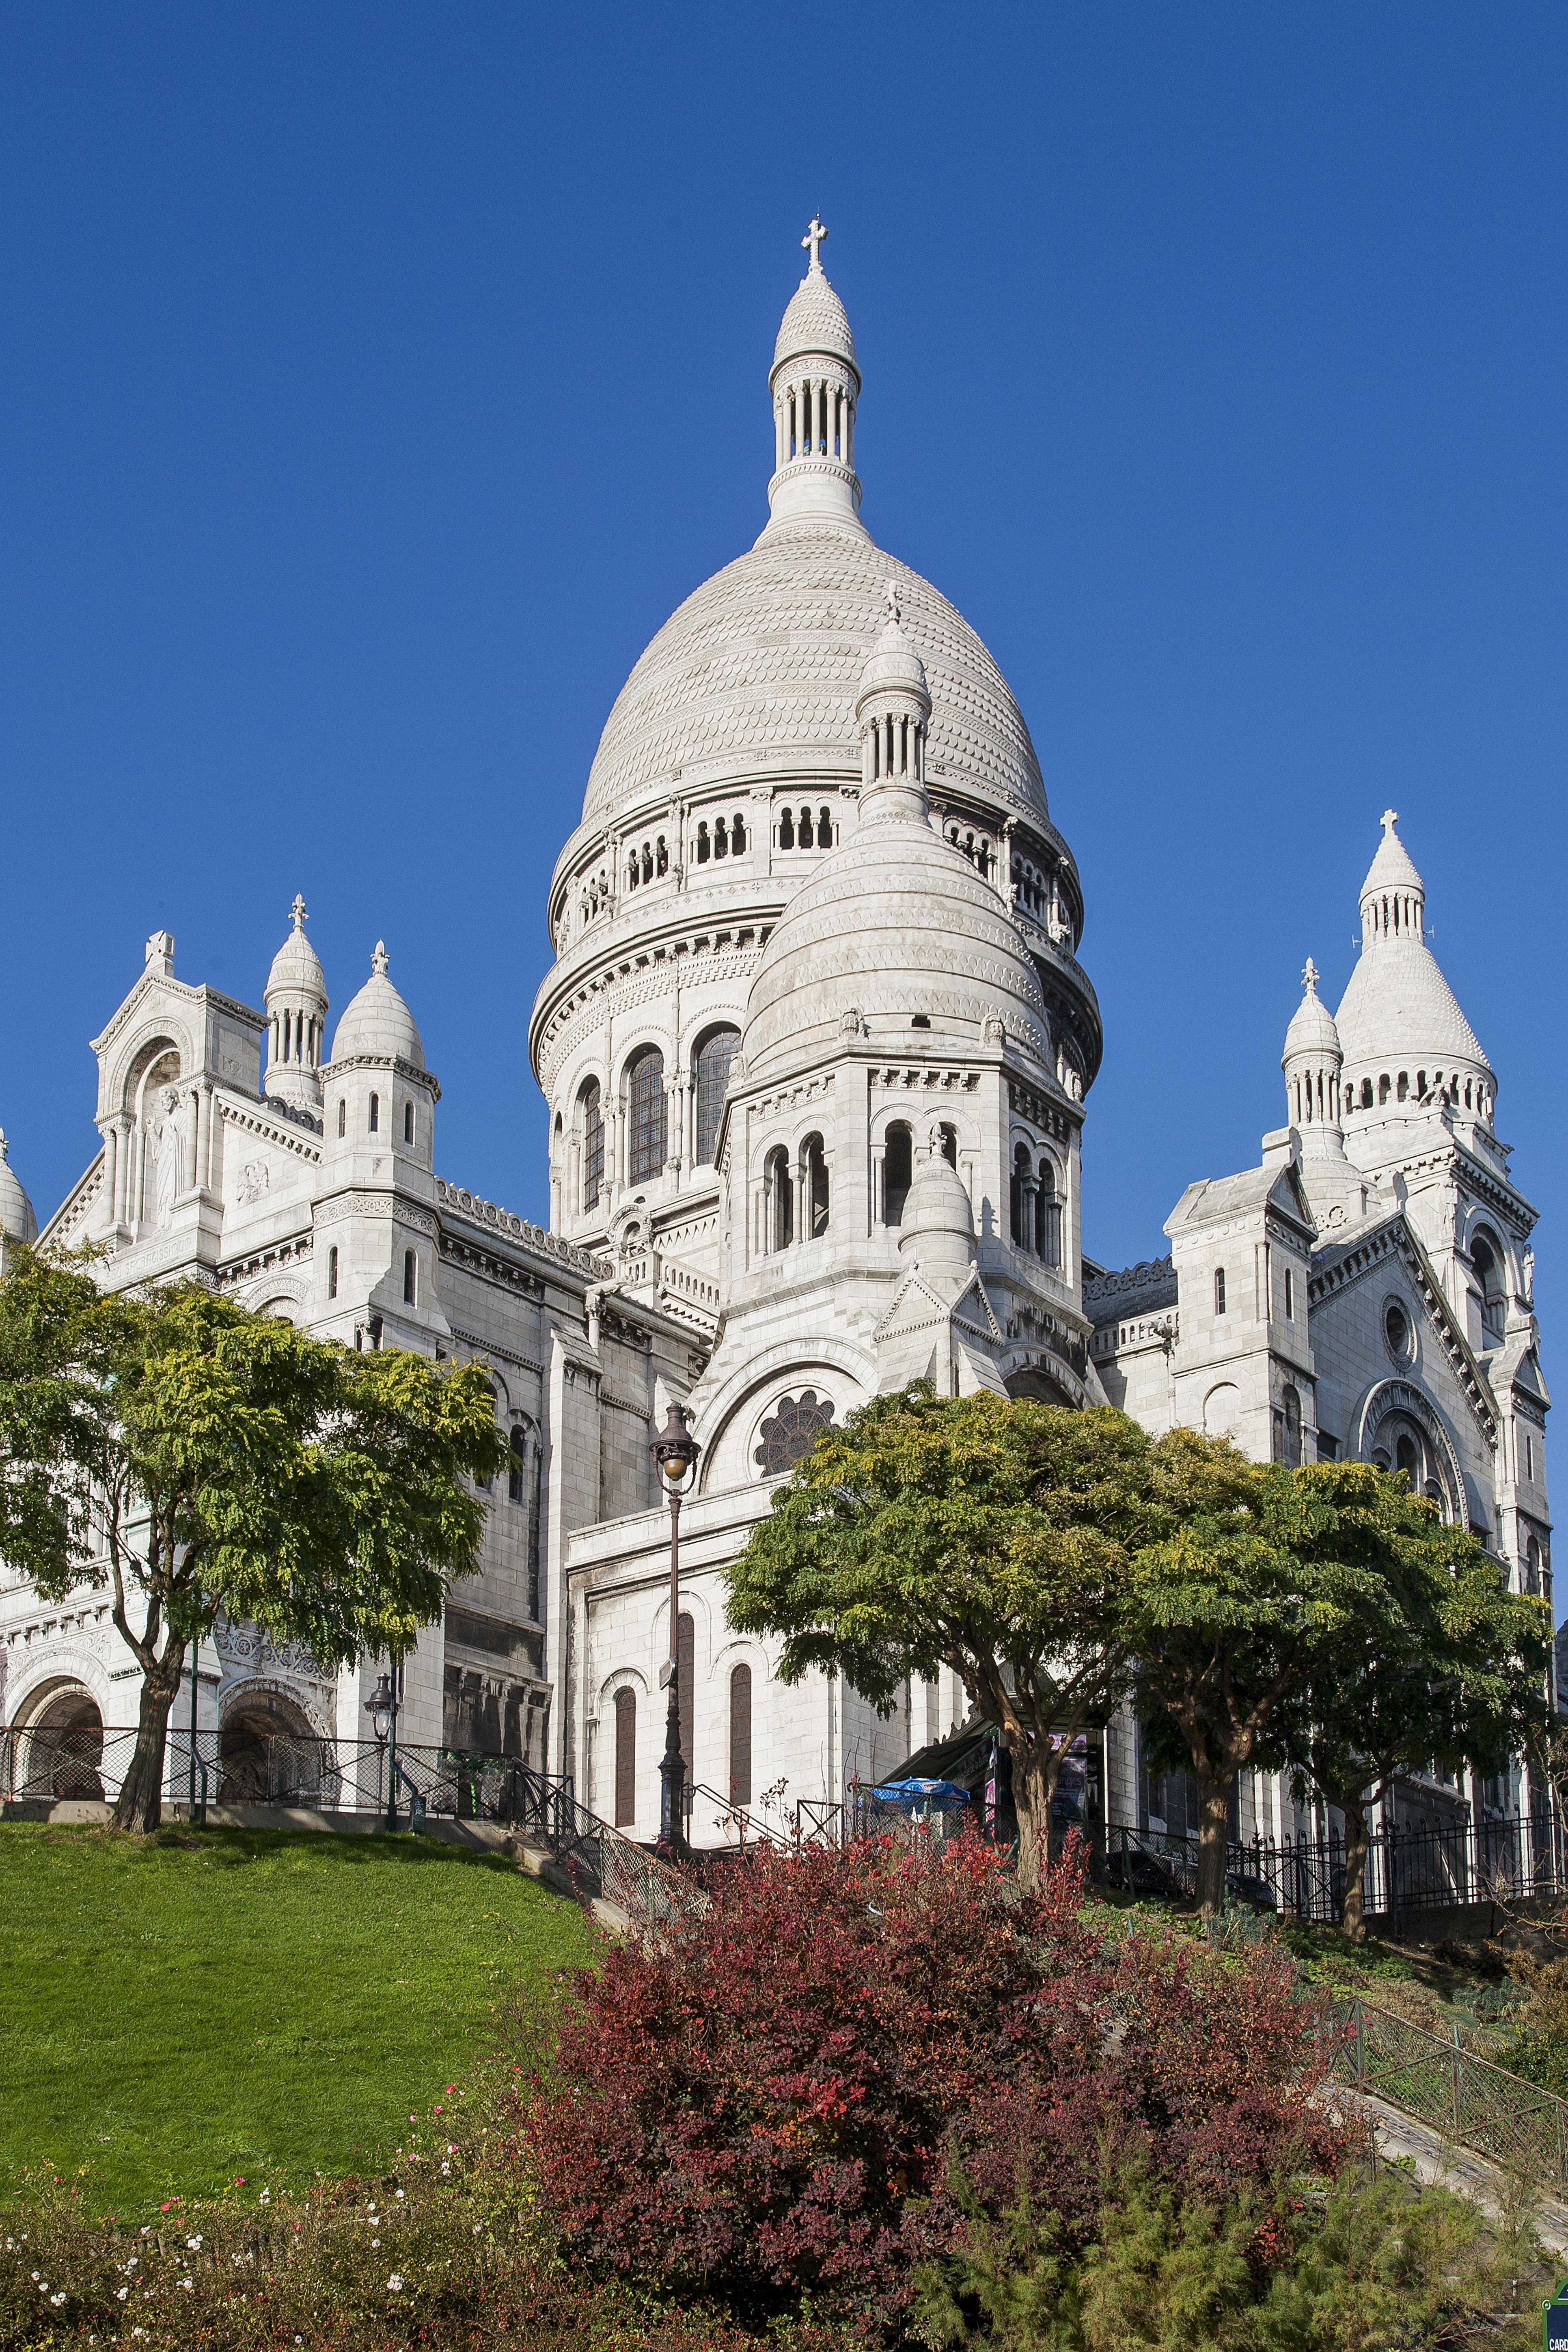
(1215,1200)
(1358,1256)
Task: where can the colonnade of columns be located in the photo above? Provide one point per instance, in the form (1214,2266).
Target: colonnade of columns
(125,1139)
(813,419)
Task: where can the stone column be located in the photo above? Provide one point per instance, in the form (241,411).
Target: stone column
(190,1172)
(110,1166)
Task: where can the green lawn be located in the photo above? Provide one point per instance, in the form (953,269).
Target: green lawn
(178,2010)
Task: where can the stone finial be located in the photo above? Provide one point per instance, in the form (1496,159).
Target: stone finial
(378,961)
(160,947)
(1311,977)
(1390,819)
(298,912)
(5,1146)
(895,613)
(812,240)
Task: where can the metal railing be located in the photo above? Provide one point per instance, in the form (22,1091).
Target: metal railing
(341,1776)
(1407,1870)
(1463,2098)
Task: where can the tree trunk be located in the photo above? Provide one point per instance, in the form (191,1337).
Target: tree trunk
(1036,1764)
(1214,1839)
(140,1804)
(1356,1842)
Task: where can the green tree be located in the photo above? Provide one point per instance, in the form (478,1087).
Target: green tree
(1452,1673)
(200,1459)
(989,1536)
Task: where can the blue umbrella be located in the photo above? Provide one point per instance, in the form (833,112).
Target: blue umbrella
(922,1796)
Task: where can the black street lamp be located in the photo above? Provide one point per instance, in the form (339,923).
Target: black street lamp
(675,1452)
(381,1709)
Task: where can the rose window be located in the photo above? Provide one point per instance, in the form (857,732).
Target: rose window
(790,1431)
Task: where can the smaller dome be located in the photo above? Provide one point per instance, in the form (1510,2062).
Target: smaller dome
(937,1228)
(816,321)
(377,1021)
(1312,1029)
(17,1222)
(296,968)
(893,666)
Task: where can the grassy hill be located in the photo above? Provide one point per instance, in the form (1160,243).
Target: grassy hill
(177,2010)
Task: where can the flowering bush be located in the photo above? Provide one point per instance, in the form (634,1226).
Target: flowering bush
(772,2101)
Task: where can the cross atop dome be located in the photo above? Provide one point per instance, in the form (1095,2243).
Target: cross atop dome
(379,961)
(813,241)
(1310,976)
(298,911)
(1390,819)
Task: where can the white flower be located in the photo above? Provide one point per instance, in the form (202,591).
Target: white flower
(193,2241)
(265,2198)
(446,2167)
(394,2283)
(120,2293)
(399,2196)
(182,2282)
(376,2242)
(57,2299)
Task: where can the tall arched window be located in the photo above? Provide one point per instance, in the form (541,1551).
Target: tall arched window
(592,1110)
(1049,1216)
(814,1187)
(1291,1449)
(1486,1259)
(898,1171)
(517,1468)
(625,1759)
(644,1102)
(409,1122)
(741,1735)
(410,1278)
(342,1117)
(779,1192)
(332,1272)
(685,1662)
(1018,1199)
(375,1114)
(711,1074)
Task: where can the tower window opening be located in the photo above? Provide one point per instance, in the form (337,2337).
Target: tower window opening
(593,1143)
(1403,1087)
(814,1160)
(805,831)
(1529,1456)
(711,1072)
(625,1759)
(779,1201)
(737,836)
(646,1106)
(1017,1198)
(375,1114)
(1487,1260)
(741,1735)
(1383,1087)
(1366,1094)
(704,850)
(661,857)
(1290,1295)
(825,828)
(342,1118)
(332,1273)
(516,1469)
(648,861)
(409,1122)
(410,1278)
(1292,1428)
(721,838)
(1467,1094)
(786,831)
(1220,1290)
(1047,1216)
(898,1171)
(1420,1085)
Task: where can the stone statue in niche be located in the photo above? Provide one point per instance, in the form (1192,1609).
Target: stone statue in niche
(166,1150)
(255,1178)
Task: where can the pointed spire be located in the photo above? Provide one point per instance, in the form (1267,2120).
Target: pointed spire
(1401,1027)
(296,1001)
(815,385)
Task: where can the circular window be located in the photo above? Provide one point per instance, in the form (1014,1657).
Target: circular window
(1397,1331)
(789,1432)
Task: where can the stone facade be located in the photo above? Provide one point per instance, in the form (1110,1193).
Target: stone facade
(816,1046)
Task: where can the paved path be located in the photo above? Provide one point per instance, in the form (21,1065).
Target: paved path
(1459,2169)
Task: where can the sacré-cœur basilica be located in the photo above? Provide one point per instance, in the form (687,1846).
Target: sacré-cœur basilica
(818,1046)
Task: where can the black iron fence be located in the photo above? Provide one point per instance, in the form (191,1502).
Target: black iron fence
(1466,2100)
(341,1776)
(1407,1869)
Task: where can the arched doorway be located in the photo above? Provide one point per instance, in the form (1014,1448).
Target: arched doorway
(65,1746)
(268,1752)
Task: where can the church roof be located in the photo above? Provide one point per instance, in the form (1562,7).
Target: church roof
(761,665)
(16,1218)
(377,1021)
(1312,1028)
(815,320)
(1398,1007)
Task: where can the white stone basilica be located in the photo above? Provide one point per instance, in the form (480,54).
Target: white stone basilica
(817,1046)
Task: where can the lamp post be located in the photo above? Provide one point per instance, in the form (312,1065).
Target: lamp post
(675,1452)
(381,1709)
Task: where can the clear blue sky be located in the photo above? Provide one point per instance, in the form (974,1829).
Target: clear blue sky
(374,380)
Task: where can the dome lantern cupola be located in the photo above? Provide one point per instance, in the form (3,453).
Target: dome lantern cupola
(17,1222)
(296,1003)
(815,385)
(1312,1061)
(1393,896)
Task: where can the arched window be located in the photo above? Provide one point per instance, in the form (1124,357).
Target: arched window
(375,1114)
(1017,1198)
(738,834)
(517,1468)
(646,1103)
(1292,1429)
(710,1076)
(409,1122)
(814,1160)
(332,1272)
(1533,1565)
(686,1664)
(625,1759)
(721,838)
(1220,1290)
(704,847)
(898,1171)
(789,1432)
(779,1200)
(660,856)
(342,1118)
(410,1278)
(741,1735)
(1485,1258)
(1383,1089)
(593,1111)
(807,836)
(823,828)
(1049,1216)
(787,830)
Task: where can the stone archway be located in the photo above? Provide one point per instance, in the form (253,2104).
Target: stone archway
(249,1765)
(65,1746)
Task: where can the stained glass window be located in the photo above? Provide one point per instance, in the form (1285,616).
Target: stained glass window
(592,1144)
(790,1431)
(714,1055)
(648,1116)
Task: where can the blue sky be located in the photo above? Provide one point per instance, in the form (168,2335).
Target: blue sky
(374,380)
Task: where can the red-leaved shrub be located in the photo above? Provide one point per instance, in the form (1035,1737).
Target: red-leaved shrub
(768,2100)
